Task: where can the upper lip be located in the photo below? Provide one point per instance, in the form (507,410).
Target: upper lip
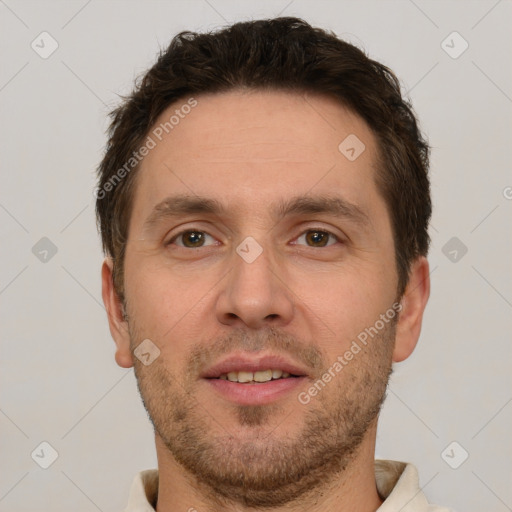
(247,363)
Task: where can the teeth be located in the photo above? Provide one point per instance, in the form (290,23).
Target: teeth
(276,374)
(262,376)
(245,376)
(259,376)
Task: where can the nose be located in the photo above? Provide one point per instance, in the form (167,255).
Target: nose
(255,294)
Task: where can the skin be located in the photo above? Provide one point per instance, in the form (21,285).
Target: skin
(308,302)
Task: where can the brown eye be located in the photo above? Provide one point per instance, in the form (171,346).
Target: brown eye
(190,239)
(318,238)
(193,239)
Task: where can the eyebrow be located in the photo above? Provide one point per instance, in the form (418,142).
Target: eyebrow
(183,204)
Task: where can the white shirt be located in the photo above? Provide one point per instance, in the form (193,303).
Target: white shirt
(397,483)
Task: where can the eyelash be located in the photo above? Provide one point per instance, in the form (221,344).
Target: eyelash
(193,230)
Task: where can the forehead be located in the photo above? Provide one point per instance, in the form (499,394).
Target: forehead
(247,147)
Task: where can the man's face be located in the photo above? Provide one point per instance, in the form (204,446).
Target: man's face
(301,289)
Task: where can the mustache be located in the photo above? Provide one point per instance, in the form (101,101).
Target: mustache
(269,339)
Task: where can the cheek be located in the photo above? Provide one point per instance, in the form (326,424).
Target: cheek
(154,301)
(342,303)
(166,306)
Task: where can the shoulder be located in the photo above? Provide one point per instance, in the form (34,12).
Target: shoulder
(398,485)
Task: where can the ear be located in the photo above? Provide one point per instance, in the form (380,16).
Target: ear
(118,325)
(413,302)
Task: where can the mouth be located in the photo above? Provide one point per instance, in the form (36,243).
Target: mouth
(258,377)
(249,381)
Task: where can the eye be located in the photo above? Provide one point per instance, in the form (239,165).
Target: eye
(318,238)
(190,239)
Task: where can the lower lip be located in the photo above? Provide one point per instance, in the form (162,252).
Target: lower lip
(256,394)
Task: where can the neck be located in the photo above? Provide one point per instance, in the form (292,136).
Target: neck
(352,490)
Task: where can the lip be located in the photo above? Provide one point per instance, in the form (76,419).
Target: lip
(258,393)
(247,363)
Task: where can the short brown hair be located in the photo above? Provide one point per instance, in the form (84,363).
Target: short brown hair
(275,54)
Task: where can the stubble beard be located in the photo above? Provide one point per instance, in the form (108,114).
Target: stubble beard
(261,469)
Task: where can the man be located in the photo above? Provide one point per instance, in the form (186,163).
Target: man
(263,205)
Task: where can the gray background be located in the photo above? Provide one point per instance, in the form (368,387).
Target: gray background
(59,382)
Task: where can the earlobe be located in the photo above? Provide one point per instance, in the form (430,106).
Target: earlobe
(116,320)
(413,303)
